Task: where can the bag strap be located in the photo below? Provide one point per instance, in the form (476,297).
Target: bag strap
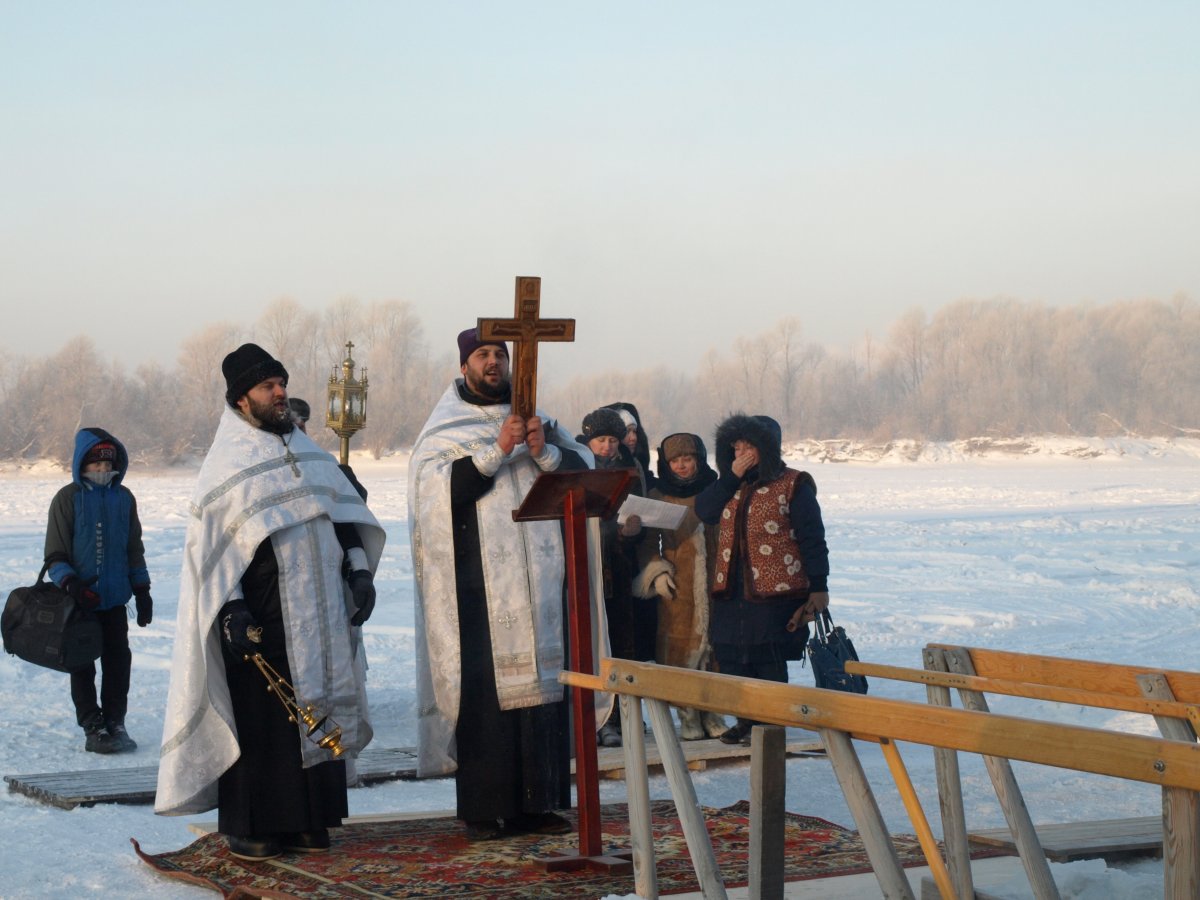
(824,624)
(45,569)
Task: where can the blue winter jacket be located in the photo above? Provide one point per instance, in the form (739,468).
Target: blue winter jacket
(94,531)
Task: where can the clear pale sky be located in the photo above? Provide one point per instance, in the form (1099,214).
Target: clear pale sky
(679,174)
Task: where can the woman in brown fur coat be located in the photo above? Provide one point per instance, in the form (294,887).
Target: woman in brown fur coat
(674,567)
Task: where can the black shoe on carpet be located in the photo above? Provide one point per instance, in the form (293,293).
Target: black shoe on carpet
(538,823)
(484,830)
(253,848)
(306,841)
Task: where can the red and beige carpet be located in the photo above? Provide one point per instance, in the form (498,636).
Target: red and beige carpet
(425,858)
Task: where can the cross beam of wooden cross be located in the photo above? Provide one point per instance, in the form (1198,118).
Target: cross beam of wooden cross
(525,329)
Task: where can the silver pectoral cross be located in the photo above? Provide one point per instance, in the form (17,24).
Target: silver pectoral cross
(290,458)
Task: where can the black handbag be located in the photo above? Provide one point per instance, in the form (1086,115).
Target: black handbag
(43,625)
(830,649)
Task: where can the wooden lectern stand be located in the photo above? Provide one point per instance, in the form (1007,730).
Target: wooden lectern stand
(575,497)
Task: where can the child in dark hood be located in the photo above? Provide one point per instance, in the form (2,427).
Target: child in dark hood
(94,552)
(674,571)
(631,625)
(772,570)
(634,439)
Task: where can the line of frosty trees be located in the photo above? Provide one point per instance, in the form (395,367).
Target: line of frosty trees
(1000,368)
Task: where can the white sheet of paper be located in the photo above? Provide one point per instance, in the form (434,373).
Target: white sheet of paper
(653,513)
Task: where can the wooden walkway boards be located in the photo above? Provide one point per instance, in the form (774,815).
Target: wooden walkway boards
(1106,838)
(136,784)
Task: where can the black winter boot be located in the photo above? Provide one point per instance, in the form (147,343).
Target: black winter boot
(97,740)
(120,738)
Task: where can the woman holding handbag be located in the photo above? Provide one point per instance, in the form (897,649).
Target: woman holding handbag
(772,564)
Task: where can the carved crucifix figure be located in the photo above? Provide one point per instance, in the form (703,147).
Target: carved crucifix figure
(526,330)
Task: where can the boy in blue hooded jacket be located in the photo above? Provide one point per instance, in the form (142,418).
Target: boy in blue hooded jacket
(94,552)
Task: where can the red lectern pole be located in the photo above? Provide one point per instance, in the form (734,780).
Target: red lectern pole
(587,777)
(574,497)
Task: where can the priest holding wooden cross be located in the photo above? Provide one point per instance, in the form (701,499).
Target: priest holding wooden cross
(489,591)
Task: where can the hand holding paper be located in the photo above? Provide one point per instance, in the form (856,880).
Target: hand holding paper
(653,513)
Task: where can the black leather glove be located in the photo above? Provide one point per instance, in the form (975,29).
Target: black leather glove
(145,605)
(362,592)
(84,596)
(240,632)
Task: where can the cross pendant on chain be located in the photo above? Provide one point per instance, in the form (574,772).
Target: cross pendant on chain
(290,458)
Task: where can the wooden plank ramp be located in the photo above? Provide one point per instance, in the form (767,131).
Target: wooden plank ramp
(1105,838)
(697,754)
(136,784)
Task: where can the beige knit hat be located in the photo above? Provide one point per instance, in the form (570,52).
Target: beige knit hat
(680,445)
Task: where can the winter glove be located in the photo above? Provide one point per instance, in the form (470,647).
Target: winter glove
(664,586)
(362,592)
(84,596)
(145,605)
(242,635)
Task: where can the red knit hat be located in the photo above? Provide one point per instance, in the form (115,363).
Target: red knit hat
(101,452)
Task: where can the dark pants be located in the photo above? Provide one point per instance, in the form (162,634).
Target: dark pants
(509,761)
(763,661)
(116,660)
(267,791)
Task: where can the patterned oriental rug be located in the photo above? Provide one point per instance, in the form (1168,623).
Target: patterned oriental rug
(424,858)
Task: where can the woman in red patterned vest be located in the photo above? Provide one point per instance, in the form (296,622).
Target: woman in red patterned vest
(772,566)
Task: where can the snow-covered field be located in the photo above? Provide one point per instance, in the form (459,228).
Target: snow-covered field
(1068,547)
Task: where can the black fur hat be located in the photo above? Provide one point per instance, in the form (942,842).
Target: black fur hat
(761,432)
(247,366)
(602,422)
(300,408)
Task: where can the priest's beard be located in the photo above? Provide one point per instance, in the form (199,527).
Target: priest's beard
(478,386)
(269,417)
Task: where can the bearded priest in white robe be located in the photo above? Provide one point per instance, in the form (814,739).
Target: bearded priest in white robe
(490,610)
(279,560)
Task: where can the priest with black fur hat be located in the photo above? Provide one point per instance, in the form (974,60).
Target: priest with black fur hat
(278,561)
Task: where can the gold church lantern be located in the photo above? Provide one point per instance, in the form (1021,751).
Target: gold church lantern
(346,411)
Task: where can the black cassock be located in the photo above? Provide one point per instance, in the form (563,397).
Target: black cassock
(509,762)
(266,791)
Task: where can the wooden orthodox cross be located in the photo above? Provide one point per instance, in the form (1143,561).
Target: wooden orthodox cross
(525,329)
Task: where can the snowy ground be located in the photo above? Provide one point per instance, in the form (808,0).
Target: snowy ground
(1086,549)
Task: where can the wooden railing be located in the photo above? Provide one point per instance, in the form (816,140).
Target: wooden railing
(1174,765)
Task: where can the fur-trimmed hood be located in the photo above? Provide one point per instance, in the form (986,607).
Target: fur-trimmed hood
(763,433)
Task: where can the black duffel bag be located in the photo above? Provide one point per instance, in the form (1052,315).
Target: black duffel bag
(43,625)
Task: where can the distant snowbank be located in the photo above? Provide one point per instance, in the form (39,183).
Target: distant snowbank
(1041,448)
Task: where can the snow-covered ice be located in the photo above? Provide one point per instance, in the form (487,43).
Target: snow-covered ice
(1068,547)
